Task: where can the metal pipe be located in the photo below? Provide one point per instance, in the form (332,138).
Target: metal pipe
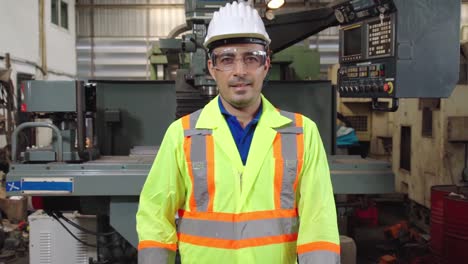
(42,37)
(36,124)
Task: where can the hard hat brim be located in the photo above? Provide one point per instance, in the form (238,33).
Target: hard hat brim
(236,36)
(237,40)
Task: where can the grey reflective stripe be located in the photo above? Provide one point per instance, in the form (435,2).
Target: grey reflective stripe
(289,115)
(193,132)
(239,230)
(319,256)
(156,255)
(194,118)
(289,154)
(198,161)
(290,130)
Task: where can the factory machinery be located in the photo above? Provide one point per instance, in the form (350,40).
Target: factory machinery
(105,133)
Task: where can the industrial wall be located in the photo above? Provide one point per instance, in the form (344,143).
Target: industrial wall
(430,158)
(61,52)
(20,35)
(433,159)
(19,29)
(37,52)
(114,37)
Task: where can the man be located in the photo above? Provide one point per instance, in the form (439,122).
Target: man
(250,183)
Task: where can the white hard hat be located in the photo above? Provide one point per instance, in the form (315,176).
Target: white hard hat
(236,21)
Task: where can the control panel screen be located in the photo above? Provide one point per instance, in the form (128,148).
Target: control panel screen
(352,41)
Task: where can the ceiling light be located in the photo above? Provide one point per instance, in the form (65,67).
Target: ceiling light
(274,4)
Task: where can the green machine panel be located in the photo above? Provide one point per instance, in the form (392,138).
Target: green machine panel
(50,96)
(133,113)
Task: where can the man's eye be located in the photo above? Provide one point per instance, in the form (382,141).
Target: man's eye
(251,59)
(226,60)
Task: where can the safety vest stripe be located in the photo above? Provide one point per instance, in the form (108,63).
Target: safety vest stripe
(187,150)
(278,170)
(239,230)
(236,244)
(199,153)
(289,150)
(285,151)
(300,150)
(319,256)
(156,255)
(198,165)
(154,244)
(186,122)
(210,172)
(320,245)
(230,217)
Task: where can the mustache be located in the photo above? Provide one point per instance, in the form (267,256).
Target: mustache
(239,80)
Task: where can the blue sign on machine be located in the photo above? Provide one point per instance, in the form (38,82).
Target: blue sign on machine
(13,186)
(41,185)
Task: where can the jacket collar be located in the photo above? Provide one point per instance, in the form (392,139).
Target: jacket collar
(211,117)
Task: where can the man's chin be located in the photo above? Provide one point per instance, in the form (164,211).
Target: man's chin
(241,102)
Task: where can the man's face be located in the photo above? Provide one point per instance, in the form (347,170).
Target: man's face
(239,71)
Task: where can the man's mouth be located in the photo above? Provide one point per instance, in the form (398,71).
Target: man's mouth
(239,84)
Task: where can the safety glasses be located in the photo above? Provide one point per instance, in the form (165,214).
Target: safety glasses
(226,59)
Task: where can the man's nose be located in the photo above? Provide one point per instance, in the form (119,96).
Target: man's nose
(239,67)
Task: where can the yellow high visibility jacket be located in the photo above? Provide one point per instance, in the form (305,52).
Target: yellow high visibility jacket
(277,209)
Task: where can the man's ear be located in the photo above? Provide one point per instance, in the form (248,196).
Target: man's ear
(267,63)
(211,69)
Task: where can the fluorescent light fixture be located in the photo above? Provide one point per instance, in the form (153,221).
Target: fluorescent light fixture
(274,4)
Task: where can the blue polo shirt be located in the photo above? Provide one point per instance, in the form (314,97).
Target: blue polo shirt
(242,136)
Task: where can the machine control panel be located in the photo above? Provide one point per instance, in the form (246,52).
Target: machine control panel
(366,80)
(367,59)
(367,49)
(397,49)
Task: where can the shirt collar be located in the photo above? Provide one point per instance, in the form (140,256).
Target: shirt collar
(226,114)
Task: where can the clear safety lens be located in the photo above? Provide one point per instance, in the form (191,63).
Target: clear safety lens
(226,60)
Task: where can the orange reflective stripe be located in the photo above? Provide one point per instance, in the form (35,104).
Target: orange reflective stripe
(300,150)
(186,122)
(298,118)
(278,169)
(210,171)
(236,244)
(229,217)
(187,151)
(321,245)
(153,244)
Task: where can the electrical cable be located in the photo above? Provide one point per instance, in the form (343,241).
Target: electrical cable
(52,214)
(60,215)
(71,233)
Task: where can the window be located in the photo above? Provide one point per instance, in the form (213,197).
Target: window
(59,13)
(428,105)
(54,12)
(64,14)
(426,122)
(405,148)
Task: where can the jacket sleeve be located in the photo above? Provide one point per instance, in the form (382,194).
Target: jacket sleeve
(318,238)
(162,195)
